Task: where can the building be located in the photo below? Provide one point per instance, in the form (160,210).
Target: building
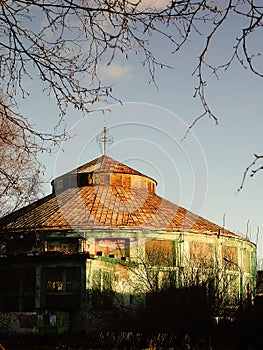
(60,255)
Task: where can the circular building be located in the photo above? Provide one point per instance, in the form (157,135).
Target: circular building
(103,226)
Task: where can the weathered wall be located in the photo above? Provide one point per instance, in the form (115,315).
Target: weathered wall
(18,322)
(178,247)
(233,256)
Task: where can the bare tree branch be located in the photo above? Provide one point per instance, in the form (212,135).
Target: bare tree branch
(250,169)
(77,36)
(64,44)
(20,169)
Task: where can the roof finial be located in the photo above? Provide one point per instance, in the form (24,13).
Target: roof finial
(104,140)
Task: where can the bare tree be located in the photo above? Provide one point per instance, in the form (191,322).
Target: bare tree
(64,43)
(75,37)
(20,170)
(156,270)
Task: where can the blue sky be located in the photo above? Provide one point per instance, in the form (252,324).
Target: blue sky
(201,173)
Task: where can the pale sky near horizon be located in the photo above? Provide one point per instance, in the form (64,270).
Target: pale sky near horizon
(201,173)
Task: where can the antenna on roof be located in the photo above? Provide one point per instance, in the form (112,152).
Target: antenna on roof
(104,140)
(224,222)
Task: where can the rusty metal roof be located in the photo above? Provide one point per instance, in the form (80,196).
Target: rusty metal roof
(111,206)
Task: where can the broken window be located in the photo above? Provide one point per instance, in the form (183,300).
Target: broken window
(113,247)
(62,287)
(67,246)
(54,281)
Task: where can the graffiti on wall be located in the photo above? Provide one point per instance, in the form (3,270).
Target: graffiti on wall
(17,322)
(27,320)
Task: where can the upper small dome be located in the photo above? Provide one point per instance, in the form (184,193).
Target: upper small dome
(103,171)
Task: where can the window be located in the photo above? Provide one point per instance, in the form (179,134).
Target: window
(159,253)
(69,246)
(229,256)
(62,280)
(17,292)
(61,287)
(200,254)
(54,281)
(112,247)
(20,244)
(73,280)
(101,293)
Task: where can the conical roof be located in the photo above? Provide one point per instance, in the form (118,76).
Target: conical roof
(104,164)
(106,194)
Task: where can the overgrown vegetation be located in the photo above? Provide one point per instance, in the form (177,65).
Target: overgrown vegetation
(176,303)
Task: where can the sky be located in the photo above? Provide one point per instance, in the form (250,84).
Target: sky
(201,172)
